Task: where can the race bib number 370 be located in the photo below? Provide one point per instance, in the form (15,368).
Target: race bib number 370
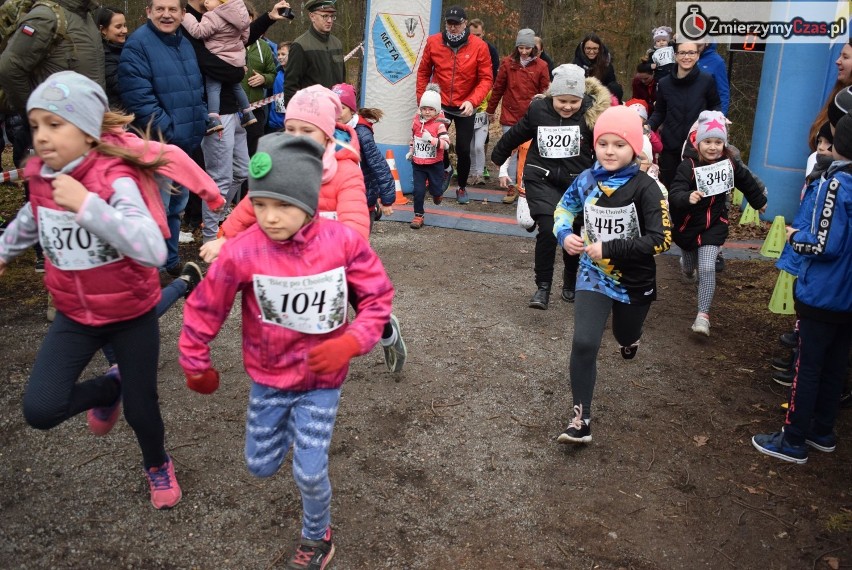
(69,246)
(313,304)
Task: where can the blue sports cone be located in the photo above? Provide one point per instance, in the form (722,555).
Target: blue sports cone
(738,198)
(774,242)
(749,216)
(781,302)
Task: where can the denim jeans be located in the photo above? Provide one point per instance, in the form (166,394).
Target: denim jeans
(226,158)
(174,204)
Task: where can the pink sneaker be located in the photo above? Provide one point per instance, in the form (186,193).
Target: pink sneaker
(101,419)
(165,491)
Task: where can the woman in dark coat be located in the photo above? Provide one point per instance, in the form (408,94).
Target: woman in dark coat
(113,27)
(593,56)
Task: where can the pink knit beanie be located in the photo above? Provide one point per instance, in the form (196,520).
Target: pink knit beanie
(316,105)
(620,121)
(347,95)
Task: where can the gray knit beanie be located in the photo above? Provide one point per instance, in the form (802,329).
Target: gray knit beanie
(526,38)
(568,79)
(287,168)
(75,98)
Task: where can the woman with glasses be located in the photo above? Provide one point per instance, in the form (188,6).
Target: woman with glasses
(593,56)
(681,97)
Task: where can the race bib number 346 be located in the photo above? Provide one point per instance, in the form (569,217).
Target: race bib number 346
(716,178)
(313,304)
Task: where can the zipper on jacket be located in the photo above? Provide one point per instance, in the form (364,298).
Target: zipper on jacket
(546,171)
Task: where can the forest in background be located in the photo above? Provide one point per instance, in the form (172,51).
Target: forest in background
(624,25)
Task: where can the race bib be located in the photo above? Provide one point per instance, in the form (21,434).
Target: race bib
(328,215)
(424,149)
(279,106)
(558,142)
(69,246)
(606,224)
(663,56)
(313,304)
(716,178)
(480,120)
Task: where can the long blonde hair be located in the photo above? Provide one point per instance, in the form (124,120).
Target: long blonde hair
(114,122)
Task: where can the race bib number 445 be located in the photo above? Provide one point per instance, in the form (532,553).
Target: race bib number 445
(716,178)
(606,224)
(313,304)
(69,246)
(558,142)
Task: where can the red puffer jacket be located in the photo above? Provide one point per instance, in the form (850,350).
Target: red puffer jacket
(517,85)
(463,74)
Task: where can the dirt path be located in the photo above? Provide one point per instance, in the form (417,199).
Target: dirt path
(452,463)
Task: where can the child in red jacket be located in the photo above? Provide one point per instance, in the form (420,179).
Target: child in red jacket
(429,142)
(295,274)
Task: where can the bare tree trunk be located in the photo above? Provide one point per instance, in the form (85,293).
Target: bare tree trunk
(532,15)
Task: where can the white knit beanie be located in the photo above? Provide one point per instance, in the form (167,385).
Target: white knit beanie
(431,97)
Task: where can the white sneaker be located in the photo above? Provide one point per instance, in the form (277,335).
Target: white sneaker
(186,237)
(701,325)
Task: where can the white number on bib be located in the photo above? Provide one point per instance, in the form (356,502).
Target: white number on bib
(606,224)
(663,56)
(328,215)
(715,178)
(314,304)
(69,246)
(279,106)
(558,142)
(424,149)
(480,120)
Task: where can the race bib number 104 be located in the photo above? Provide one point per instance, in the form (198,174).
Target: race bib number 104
(313,304)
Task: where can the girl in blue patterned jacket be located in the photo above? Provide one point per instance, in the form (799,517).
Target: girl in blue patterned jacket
(626,223)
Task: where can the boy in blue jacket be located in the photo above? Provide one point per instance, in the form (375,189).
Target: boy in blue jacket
(822,235)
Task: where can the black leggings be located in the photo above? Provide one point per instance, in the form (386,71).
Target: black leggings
(464,136)
(54,394)
(591,311)
(545,253)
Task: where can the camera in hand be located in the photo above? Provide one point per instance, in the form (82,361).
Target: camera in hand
(287,12)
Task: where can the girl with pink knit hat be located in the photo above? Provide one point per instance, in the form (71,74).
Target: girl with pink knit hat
(312,112)
(626,223)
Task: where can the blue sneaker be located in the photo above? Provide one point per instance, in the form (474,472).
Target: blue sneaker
(775,445)
(448,175)
(825,443)
(461,196)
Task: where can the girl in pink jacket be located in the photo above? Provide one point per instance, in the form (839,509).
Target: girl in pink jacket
(224,27)
(296,274)
(96,210)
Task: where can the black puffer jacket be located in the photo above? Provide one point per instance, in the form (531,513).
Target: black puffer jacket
(546,179)
(112,55)
(706,223)
(679,102)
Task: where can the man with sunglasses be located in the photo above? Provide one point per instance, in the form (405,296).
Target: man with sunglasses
(460,64)
(316,57)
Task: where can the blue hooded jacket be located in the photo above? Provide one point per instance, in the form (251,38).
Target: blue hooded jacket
(711,62)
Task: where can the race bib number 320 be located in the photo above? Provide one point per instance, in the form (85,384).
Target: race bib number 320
(69,246)
(558,142)
(313,304)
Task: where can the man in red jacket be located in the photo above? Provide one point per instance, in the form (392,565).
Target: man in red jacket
(460,64)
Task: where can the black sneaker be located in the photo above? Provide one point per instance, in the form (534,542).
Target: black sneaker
(568,293)
(784,377)
(825,443)
(191,273)
(781,363)
(39,265)
(628,352)
(578,431)
(175,270)
(541,298)
(720,263)
(312,554)
(790,339)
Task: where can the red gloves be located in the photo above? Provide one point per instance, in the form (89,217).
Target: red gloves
(204,383)
(332,355)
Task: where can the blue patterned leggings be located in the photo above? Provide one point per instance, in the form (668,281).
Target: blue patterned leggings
(705,258)
(278,419)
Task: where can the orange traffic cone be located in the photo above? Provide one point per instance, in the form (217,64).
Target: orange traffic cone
(400,198)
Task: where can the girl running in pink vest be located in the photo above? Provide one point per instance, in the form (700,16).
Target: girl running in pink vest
(95,208)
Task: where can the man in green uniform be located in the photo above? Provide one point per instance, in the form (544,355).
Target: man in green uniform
(316,57)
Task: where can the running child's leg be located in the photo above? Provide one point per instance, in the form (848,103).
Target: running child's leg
(314,415)
(591,312)
(269,429)
(627,322)
(706,276)
(689,262)
(53,394)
